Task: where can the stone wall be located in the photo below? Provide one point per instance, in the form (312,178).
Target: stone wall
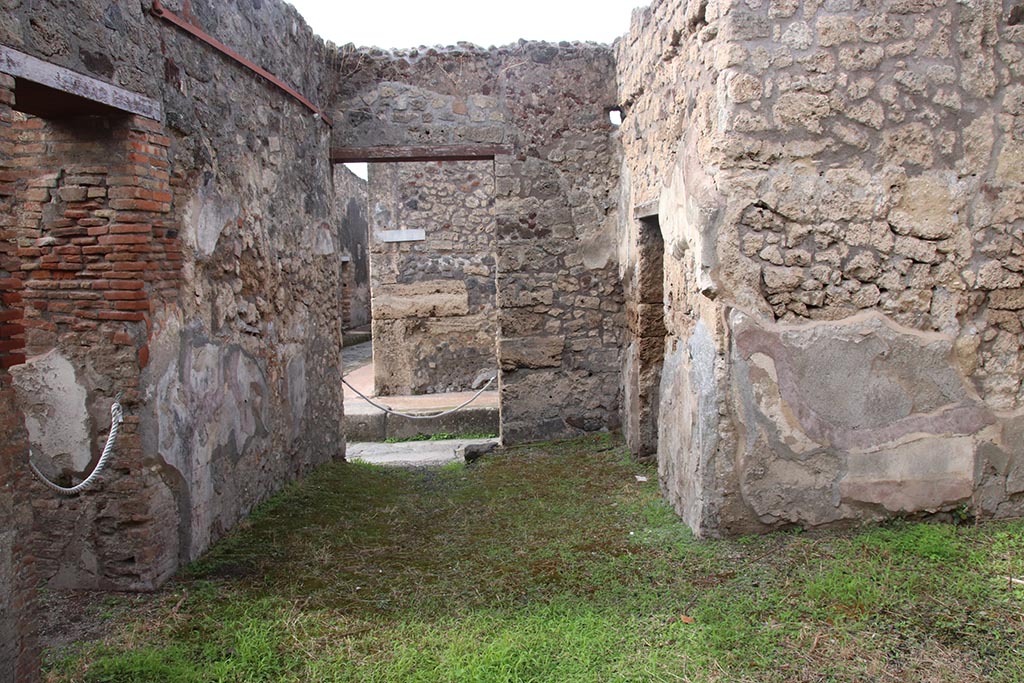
(18,653)
(560,306)
(350,196)
(191,263)
(434,319)
(840,197)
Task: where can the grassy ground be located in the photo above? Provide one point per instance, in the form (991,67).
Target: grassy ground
(554,564)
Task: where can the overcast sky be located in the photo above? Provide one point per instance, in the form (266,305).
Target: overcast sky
(411,23)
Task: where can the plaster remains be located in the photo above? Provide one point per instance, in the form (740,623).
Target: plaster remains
(793,275)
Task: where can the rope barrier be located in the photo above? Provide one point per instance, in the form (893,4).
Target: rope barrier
(116,418)
(389,411)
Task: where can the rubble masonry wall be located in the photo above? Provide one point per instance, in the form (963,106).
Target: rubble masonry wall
(559,304)
(840,193)
(353,218)
(434,319)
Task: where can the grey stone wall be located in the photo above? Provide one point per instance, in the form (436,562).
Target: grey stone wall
(242,354)
(838,192)
(434,318)
(559,301)
(351,212)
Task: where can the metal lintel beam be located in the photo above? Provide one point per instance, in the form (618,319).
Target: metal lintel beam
(29,68)
(184,24)
(389,153)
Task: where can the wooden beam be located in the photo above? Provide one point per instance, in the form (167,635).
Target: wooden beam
(344,155)
(21,65)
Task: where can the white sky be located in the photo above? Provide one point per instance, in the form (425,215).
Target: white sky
(411,23)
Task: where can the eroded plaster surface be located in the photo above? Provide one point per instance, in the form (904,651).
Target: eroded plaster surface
(55,406)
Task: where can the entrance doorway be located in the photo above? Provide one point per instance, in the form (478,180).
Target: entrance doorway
(432,268)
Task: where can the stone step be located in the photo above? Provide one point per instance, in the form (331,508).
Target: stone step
(416,453)
(364,422)
(354,337)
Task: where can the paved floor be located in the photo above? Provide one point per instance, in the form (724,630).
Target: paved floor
(357,356)
(410,453)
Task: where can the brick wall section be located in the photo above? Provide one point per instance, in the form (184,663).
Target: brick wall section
(19,659)
(96,255)
(93,239)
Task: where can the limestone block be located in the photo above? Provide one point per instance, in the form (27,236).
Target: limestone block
(879,28)
(1007,299)
(801,108)
(927,208)
(833,30)
(530,352)
(875,234)
(798,36)
(913,6)
(782,9)
(1010,164)
(863,266)
(919,250)
(430,298)
(781,279)
(743,87)
(992,275)
(868,112)
(912,143)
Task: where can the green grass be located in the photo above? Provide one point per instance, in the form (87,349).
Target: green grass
(553,563)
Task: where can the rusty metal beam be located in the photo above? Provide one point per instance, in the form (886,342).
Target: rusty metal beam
(184,24)
(29,68)
(387,153)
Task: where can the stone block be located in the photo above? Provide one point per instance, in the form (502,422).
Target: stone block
(530,352)
(927,208)
(1007,299)
(1010,163)
(646,320)
(431,298)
